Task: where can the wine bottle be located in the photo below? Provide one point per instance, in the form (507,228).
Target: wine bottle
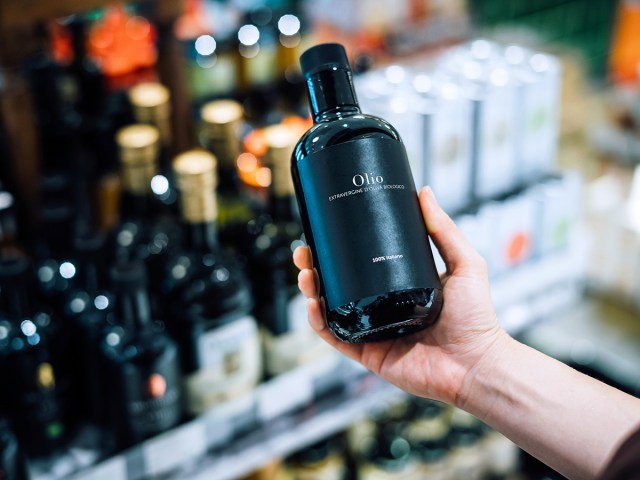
(141,363)
(35,380)
(389,457)
(210,297)
(221,130)
(87,308)
(151,103)
(146,230)
(280,307)
(323,460)
(360,212)
(13,465)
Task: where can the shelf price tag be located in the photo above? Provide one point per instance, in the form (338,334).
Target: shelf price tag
(174,448)
(284,393)
(113,469)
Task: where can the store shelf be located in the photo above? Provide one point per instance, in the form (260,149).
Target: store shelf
(278,417)
(305,405)
(540,288)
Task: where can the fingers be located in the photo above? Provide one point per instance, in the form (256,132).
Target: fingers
(302,258)
(456,251)
(308,283)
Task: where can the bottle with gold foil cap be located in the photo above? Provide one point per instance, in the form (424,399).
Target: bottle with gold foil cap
(288,340)
(281,140)
(138,147)
(146,228)
(222,121)
(151,104)
(209,296)
(35,376)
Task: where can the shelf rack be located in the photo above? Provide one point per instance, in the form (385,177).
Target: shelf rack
(303,406)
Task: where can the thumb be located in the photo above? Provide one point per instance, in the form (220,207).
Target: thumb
(456,251)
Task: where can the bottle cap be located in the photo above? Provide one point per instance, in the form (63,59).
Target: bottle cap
(138,146)
(322,57)
(281,142)
(138,143)
(221,112)
(196,179)
(221,120)
(128,276)
(150,101)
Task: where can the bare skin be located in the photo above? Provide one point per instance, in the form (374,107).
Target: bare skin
(566,419)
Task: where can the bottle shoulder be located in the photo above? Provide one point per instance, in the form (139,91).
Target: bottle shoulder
(328,133)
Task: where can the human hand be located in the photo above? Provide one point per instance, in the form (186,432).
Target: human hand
(435,362)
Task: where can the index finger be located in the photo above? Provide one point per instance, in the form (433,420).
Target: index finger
(302,258)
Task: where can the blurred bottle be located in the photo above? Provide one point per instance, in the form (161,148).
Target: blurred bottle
(35,374)
(323,460)
(209,296)
(427,433)
(141,363)
(280,308)
(389,457)
(13,465)
(87,308)
(86,78)
(221,135)
(257,66)
(467,458)
(151,103)
(145,231)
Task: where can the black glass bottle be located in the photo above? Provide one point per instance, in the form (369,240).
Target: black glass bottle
(151,104)
(145,231)
(35,374)
(360,212)
(88,308)
(142,368)
(209,296)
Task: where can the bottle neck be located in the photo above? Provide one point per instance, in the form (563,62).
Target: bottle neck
(202,236)
(331,94)
(136,205)
(134,309)
(282,208)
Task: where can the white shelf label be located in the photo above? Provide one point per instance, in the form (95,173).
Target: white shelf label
(174,448)
(284,393)
(112,469)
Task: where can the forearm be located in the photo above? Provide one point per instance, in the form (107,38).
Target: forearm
(568,420)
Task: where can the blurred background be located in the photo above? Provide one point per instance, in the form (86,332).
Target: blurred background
(150,324)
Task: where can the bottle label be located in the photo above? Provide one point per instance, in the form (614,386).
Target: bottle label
(229,359)
(298,346)
(366,225)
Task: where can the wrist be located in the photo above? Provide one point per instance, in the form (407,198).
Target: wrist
(473,395)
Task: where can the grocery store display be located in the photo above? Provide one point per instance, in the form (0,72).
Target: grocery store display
(150,321)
